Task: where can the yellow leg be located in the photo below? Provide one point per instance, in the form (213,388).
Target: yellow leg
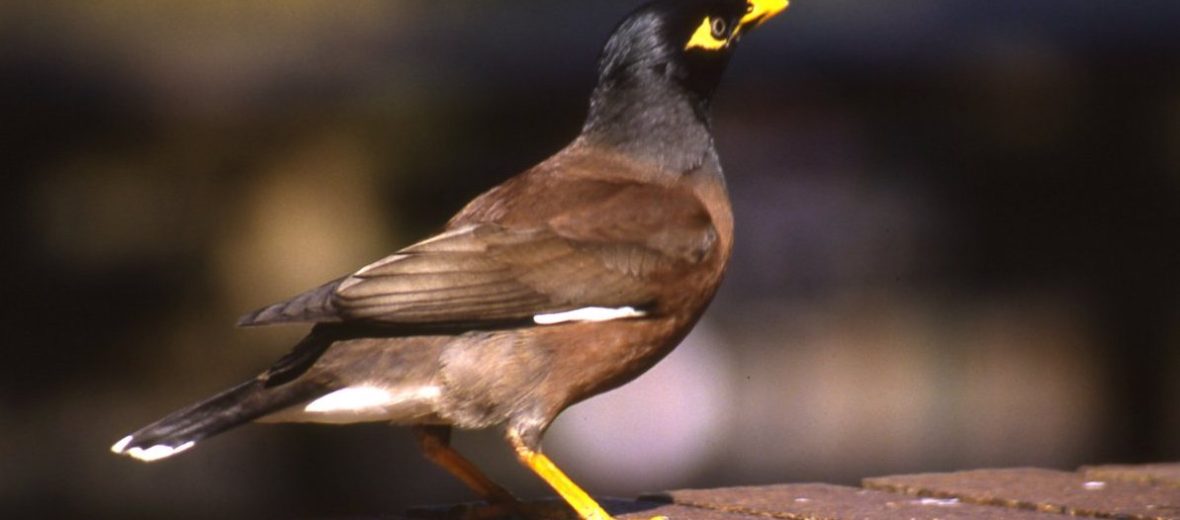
(585,506)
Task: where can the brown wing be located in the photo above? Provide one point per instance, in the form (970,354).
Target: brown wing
(312,306)
(610,251)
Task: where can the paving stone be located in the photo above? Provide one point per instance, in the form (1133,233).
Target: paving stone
(1042,490)
(829,502)
(1152,474)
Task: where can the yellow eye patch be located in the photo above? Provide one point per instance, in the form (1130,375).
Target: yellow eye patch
(711,35)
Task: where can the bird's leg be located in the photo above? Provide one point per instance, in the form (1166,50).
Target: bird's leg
(435,442)
(578,499)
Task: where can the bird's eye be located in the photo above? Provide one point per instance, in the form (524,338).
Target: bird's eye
(711,35)
(718,28)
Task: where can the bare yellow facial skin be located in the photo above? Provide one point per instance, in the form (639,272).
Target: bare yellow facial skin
(713,35)
(705,37)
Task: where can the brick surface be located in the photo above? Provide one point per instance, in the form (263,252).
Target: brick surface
(643,510)
(1144,492)
(1157,474)
(1042,490)
(825,501)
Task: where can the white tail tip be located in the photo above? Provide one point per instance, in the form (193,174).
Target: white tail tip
(151,454)
(118,447)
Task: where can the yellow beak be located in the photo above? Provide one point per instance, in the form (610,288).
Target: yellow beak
(761,11)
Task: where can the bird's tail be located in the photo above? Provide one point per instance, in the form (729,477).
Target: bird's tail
(274,390)
(183,428)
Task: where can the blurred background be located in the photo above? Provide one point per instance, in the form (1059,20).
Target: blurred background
(957,235)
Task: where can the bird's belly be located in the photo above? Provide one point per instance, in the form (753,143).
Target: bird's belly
(597,358)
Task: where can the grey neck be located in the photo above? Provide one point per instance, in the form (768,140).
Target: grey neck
(652,121)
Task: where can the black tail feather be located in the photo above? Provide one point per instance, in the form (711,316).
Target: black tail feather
(238,405)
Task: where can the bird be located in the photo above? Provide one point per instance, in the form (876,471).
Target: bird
(565,281)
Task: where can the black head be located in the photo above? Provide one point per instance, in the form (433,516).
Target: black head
(688,42)
(661,65)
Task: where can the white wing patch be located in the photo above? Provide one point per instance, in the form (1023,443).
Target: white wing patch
(588,314)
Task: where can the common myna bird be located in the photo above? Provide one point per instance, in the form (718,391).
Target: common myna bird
(567,280)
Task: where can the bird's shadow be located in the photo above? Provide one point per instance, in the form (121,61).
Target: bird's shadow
(548,509)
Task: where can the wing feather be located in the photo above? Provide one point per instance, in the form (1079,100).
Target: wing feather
(612,252)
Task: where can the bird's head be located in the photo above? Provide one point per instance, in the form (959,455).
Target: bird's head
(684,42)
(657,75)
